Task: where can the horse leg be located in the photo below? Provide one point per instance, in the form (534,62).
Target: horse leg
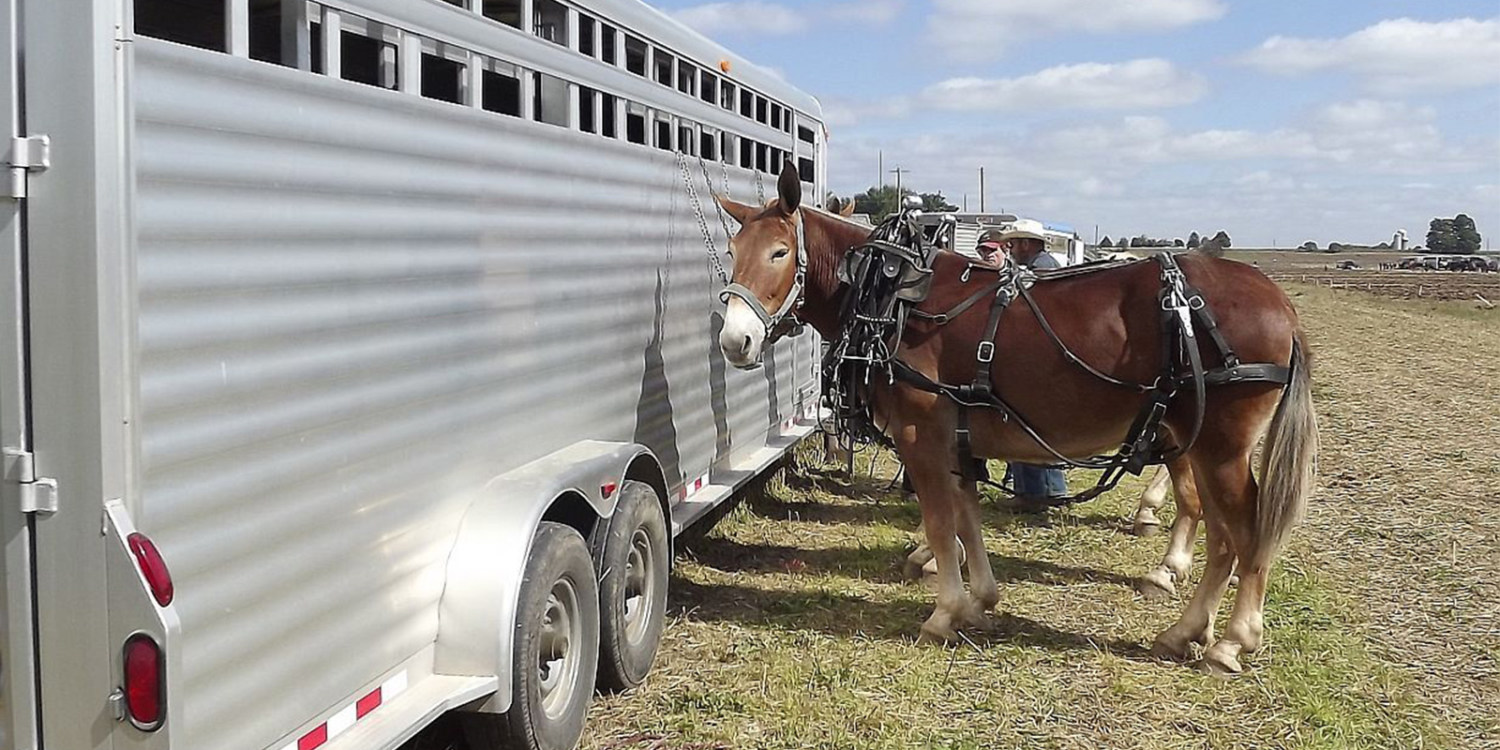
(1234,488)
(1161,582)
(938,494)
(1152,498)
(971,535)
(1197,622)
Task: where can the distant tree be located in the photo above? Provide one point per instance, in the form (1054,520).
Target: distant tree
(1309,246)
(1178,243)
(1383,246)
(936,202)
(1442,236)
(1138,241)
(1222,240)
(1469,241)
(1194,240)
(878,202)
(1106,242)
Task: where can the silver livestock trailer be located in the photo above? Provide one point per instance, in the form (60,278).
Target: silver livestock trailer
(359,361)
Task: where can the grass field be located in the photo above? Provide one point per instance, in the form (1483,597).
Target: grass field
(793,628)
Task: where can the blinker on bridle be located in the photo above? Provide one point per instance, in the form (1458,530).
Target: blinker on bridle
(773,321)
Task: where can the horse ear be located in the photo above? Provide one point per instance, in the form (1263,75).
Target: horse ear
(789,189)
(847,210)
(739,211)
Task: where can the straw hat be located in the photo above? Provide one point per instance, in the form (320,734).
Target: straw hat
(1023,229)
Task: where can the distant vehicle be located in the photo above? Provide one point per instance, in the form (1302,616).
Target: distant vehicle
(1349,265)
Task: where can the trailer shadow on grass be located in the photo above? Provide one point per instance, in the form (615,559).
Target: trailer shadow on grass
(848,616)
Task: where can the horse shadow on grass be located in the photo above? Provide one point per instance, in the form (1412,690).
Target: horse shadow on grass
(845,616)
(879,563)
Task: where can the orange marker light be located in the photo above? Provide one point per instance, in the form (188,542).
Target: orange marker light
(724,65)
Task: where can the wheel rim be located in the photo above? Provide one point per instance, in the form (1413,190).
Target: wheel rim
(640,587)
(558,655)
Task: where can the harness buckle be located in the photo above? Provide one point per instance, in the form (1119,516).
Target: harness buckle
(986,353)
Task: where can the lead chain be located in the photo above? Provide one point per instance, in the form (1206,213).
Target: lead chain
(708,237)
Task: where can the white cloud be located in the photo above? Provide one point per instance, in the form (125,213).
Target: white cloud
(1137,84)
(748,16)
(871,12)
(1395,56)
(976,30)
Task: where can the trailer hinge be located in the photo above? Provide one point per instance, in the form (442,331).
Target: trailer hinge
(38,494)
(28,154)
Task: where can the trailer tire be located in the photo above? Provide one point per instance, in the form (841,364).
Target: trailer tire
(635,565)
(549,700)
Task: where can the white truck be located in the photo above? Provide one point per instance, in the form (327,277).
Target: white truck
(358,360)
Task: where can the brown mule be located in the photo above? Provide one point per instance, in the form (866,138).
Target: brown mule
(786,256)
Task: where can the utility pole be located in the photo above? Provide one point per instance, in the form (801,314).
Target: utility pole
(966,202)
(880,178)
(981,190)
(898,171)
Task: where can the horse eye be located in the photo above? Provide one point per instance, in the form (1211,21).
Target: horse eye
(779,254)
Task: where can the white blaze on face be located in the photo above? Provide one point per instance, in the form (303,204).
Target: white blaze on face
(743,334)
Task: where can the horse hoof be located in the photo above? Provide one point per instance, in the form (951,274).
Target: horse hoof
(935,635)
(1163,649)
(930,567)
(1156,586)
(1217,662)
(1234,581)
(1145,530)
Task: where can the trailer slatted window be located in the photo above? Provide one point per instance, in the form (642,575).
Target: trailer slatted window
(550,100)
(708,145)
(269,32)
(586,30)
(776,115)
(444,77)
(726,147)
(551,21)
(663,133)
(366,57)
(196,23)
(663,63)
(708,87)
(687,143)
(687,78)
(607,51)
(726,96)
(762,110)
(747,153)
(635,123)
(635,56)
(747,103)
(807,169)
(507,12)
(806,134)
(501,84)
(608,111)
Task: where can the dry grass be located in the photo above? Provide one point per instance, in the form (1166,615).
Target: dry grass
(792,627)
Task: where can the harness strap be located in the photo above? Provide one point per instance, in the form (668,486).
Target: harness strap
(944,318)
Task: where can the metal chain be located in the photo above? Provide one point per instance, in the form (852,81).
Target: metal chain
(760,190)
(718,209)
(708,237)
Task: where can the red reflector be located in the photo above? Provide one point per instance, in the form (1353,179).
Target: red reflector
(608,488)
(152,567)
(144,688)
(367,704)
(314,739)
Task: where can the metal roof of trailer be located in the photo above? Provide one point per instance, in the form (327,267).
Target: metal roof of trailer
(663,30)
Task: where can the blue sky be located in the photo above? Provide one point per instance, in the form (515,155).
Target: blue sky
(1278,121)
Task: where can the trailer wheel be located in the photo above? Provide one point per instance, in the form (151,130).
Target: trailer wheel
(633,588)
(556,649)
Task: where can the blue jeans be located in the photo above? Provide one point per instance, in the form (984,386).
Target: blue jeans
(1039,481)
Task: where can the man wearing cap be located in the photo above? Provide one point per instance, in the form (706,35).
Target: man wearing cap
(1034,485)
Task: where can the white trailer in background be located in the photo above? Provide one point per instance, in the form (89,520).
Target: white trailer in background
(359,360)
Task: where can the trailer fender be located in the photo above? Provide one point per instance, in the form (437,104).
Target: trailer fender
(476,616)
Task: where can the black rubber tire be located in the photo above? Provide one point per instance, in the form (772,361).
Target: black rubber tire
(558,554)
(634,566)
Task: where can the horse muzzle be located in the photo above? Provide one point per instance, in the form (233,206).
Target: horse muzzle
(743,338)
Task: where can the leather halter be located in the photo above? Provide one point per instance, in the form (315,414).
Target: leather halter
(794,297)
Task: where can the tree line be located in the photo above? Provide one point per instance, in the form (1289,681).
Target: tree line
(1220,241)
(1455,236)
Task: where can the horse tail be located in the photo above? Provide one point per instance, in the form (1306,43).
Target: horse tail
(1289,460)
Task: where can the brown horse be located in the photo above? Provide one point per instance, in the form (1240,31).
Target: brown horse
(1110,319)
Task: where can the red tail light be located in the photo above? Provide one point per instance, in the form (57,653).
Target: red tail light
(145,686)
(152,567)
(608,489)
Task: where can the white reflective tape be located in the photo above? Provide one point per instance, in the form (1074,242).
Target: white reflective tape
(393,687)
(341,721)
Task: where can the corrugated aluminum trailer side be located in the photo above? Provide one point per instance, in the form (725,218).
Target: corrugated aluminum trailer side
(337,351)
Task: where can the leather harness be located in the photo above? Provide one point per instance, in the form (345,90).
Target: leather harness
(888,275)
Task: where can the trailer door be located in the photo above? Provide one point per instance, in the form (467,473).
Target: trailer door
(18,712)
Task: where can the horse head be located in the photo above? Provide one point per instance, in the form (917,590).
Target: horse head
(770,267)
